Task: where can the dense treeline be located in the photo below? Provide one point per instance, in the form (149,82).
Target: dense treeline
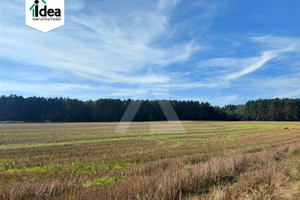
(273,110)
(39,109)
(265,110)
(18,108)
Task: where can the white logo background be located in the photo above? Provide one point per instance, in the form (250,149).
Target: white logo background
(45,25)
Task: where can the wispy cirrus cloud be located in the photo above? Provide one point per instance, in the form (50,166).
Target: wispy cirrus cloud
(76,5)
(99,45)
(107,46)
(228,68)
(258,62)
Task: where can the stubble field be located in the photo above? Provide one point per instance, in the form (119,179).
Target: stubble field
(150,160)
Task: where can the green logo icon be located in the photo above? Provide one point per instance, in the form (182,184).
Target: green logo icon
(35,4)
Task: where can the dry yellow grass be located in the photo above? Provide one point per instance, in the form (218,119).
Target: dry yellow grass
(209,160)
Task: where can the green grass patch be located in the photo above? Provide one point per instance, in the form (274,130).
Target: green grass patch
(75,168)
(103,181)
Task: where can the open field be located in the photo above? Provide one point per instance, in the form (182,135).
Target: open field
(209,160)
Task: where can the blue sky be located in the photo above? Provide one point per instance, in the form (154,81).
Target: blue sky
(220,51)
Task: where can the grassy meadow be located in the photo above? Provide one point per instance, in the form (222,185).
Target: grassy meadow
(150,160)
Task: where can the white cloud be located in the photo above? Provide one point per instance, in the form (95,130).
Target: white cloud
(290,94)
(226,62)
(8,87)
(277,42)
(107,49)
(74,5)
(228,68)
(257,63)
